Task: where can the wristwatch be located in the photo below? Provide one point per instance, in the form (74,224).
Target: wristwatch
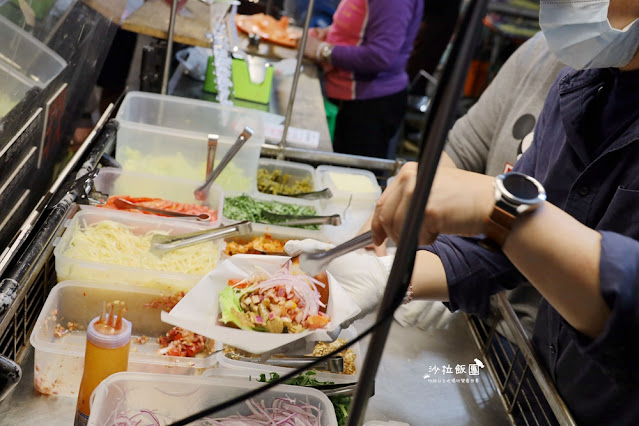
(515,194)
(325,52)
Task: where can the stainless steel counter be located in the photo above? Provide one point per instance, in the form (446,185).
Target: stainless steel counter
(402,392)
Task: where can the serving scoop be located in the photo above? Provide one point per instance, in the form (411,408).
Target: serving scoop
(123,204)
(314,263)
(289,220)
(161,244)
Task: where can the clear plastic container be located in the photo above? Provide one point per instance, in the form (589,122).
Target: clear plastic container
(298,171)
(252,368)
(114,181)
(59,361)
(73,269)
(172,398)
(320,234)
(168,135)
(337,179)
(13,87)
(28,55)
(291,234)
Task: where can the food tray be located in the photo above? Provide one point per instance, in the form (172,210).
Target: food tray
(298,171)
(167,135)
(114,181)
(369,197)
(320,234)
(255,369)
(59,362)
(28,55)
(292,234)
(73,269)
(175,397)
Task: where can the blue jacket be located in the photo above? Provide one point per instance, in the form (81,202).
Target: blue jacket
(586,154)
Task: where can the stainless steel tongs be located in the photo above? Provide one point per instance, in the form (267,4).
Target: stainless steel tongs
(289,220)
(333,364)
(322,194)
(161,244)
(314,263)
(202,192)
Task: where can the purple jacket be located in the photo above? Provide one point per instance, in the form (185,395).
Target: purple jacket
(373,40)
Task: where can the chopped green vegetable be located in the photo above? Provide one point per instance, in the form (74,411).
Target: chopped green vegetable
(244,207)
(279,183)
(341,403)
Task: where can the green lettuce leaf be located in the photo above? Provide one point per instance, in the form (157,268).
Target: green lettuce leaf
(231,309)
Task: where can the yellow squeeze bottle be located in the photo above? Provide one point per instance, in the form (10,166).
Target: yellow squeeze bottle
(108,342)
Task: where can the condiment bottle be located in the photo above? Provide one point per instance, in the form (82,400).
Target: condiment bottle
(108,342)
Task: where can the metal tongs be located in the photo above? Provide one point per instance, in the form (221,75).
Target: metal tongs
(289,220)
(202,192)
(333,364)
(161,244)
(323,194)
(123,204)
(314,263)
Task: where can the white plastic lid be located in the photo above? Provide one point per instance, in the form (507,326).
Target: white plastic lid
(109,341)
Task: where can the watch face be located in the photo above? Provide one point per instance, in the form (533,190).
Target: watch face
(521,189)
(520,186)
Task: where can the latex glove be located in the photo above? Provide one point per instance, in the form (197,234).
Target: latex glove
(363,276)
(425,315)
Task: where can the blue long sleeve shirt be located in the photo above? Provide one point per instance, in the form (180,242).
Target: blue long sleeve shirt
(586,154)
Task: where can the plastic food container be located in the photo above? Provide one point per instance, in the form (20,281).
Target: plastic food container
(172,398)
(167,135)
(298,171)
(320,234)
(28,55)
(59,361)
(114,181)
(251,368)
(337,179)
(13,87)
(292,234)
(73,269)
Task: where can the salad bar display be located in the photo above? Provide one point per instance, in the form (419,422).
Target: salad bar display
(185,303)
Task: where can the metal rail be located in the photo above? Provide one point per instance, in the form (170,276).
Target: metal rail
(296,77)
(324,157)
(526,390)
(169,48)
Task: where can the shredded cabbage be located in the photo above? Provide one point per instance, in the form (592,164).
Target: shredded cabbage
(117,244)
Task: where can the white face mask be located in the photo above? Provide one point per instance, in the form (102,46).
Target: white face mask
(579,33)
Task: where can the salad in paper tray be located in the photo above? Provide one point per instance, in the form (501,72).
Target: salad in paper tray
(260,303)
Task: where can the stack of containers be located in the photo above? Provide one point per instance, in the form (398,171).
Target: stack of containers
(168,135)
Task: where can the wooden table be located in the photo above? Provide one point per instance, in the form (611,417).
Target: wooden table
(191,24)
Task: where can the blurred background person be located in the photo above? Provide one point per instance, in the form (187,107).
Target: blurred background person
(364,55)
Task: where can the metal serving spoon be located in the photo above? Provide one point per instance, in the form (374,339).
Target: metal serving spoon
(314,263)
(121,203)
(289,220)
(323,194)
(161,244)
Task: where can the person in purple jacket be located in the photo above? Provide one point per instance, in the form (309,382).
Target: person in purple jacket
(364,55)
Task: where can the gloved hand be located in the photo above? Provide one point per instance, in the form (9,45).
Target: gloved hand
(363,276)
